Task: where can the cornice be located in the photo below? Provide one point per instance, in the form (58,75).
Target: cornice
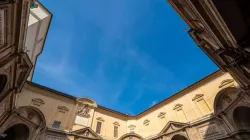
(165,101)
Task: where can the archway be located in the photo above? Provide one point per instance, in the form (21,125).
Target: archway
(241,116)
(179,137)
(131,136)
(224,98)
(17,132)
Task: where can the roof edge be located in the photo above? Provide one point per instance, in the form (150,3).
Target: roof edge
(217,72)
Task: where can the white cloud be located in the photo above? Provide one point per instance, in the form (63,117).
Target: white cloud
(154,103)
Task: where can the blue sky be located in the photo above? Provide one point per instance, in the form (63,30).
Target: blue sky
(124,54)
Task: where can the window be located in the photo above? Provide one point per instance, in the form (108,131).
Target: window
(56,124)
(201,103)
(180,113)
(203,106)
(115,131)
(98,127)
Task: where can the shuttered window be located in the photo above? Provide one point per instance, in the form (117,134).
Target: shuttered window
(115,131)
(98,127)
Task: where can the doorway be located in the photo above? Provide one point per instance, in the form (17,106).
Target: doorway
(241,117)
(179,137)
(17,132)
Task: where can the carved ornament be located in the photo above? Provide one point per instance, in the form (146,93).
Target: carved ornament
(131,127)
(208,130)
(83,110)
(116,124)
(162,115)
(62,109)
(227,99)
(38,101)
(146,122)
(197,96)
(177,106)
(226,82)
(100,119)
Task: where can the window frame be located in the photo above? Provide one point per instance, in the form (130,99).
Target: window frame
(100,128)
(115,131)
(55,124)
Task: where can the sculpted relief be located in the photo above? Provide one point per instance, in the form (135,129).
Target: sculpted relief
(84,106)
(208,130)
(83,110)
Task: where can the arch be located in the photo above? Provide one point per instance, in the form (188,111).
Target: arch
(241,117)
(224,98)
(33,114)
(134,136)
(17,132)
(3,81)
(179,137)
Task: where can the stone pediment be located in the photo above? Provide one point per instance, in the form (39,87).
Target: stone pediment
(226,83)
(85,133)
(172,127)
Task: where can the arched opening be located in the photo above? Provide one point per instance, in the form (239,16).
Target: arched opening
(3,81)
(131,136)
(17,132)
(241,117)
(225,98)
(179,137)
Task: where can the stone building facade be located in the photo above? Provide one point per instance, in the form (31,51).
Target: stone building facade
(221,28)
(216,107)
(213,108)
(15,64)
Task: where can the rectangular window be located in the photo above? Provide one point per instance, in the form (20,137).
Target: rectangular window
(181,115)
(203,106)
(56,124)
(115,131)
(98,127)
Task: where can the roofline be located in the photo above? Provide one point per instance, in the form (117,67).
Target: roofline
(51,17)
(51,90)
(113,111)
(180,92)
(217,72)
